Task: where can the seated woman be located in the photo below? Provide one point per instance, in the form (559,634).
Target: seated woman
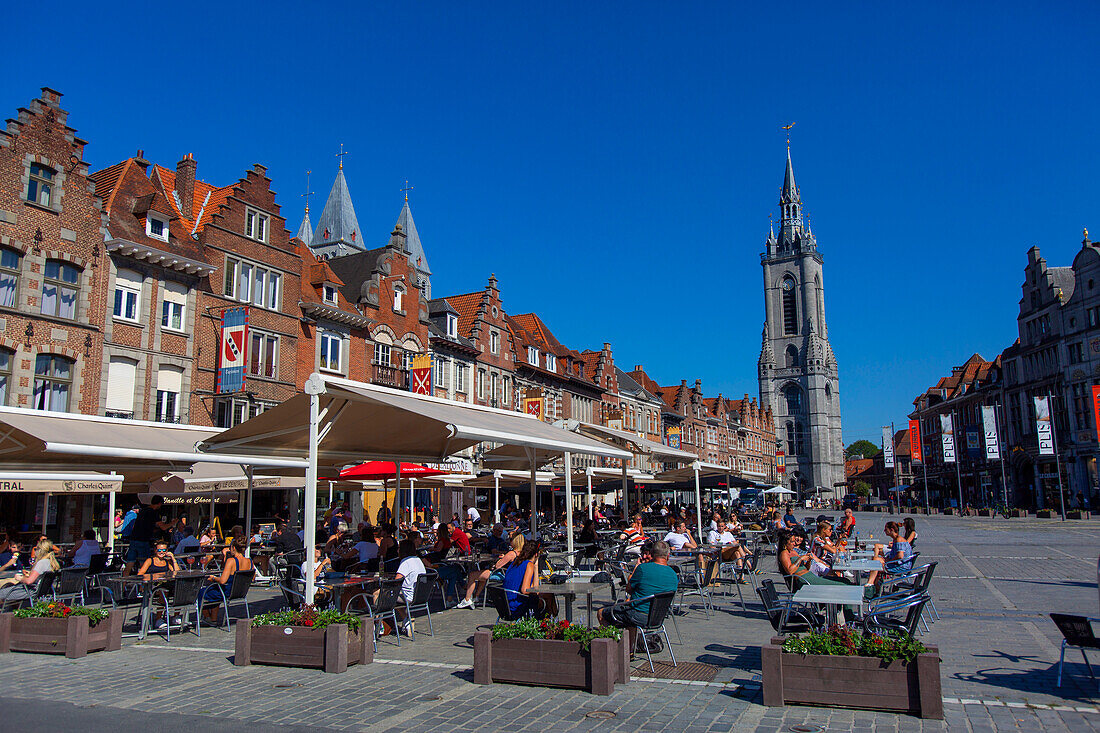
(83,551)
(22,585)
(895,557)
(442,546)
(212,594)
(795,566)
(909,533)
(476,580)
(847,525)
(162,561)
(588,532)
(521,582)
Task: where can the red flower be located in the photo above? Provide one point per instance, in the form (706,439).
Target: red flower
(66,611)
(307,622)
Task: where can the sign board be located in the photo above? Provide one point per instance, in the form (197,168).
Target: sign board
(887,447)
(1044,430)
(233,350)
(916,447)
(420,375)
(947,438)
(780,462)
(673,434)
(989,427)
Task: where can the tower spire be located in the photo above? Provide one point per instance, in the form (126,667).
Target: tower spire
(790,207)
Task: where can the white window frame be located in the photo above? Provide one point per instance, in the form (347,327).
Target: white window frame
(240,410)
(273,367)
(398,298)
(481,384)
(381,349)
(532,355)
(324,354)
(151,217)
(551,363)
(452,325)
(460,377)
(440,372)
(127,293)
(61,286)
(242,274)
(256,224)
(328,294)
(494,342)
(171,307)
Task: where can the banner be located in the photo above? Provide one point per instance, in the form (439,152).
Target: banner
(989,426)
(420,375)
(887,447)
(615,419)
(780,462)
(1096,408)
(1043,427)
(673,437)
(973,441)
(535,406)
(916,448)
(947,436)
(233,353)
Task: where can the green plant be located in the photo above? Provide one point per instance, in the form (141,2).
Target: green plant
(57,609)
(862,489)
(309,617)
(844,641)
(532,628)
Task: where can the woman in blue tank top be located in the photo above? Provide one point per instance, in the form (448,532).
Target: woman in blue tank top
(521,582)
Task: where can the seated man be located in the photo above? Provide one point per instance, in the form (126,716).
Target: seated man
(679,538)
(649,578)
(790,520)
(189,544)
(497,541)
(730,549)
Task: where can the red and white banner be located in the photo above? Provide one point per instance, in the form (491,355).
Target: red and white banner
(232,351)
(420,375)
(1096,408)
(780,462)
(916,447)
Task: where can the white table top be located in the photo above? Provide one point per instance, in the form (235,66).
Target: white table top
(837,595)
(863,564)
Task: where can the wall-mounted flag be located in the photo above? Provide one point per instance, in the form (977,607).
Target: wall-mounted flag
(947,438)
(233,353)
(420,375)
(989,427)
(1096,408)
(780,462)
(534,403)
(673,433)
(916,447)
(887,447)
(1043,426)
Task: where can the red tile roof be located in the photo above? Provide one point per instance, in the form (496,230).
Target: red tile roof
(467,305)
(218,197)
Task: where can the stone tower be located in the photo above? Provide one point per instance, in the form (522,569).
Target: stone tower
(797,368)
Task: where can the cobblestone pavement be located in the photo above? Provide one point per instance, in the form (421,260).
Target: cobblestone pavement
(996,583)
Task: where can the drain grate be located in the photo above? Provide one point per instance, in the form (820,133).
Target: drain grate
(284,685)
(430,698)
(601,714)
(806,728)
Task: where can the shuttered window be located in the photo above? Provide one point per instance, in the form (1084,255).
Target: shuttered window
(121,375)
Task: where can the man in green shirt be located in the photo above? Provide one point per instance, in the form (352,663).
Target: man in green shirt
(648,579)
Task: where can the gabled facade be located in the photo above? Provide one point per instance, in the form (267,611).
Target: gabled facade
(481,319)
(335,335)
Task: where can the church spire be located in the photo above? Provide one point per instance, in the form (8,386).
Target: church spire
(337,231)
(790,206)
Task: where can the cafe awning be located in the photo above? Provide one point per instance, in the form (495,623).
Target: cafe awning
(206,477)
(58,483)
(633,442)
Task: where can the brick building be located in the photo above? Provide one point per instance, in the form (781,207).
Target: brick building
(479,318)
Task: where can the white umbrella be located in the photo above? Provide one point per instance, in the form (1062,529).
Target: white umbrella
(778,490)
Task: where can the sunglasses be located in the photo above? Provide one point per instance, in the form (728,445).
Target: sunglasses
(161,552)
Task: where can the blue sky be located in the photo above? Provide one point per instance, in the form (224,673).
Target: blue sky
(615,164)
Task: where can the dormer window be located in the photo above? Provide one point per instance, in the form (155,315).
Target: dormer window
(494,342)
(452,325)
(329,294)
(156,227)
(255,225)
(398,298)
(551,363)
(532,355)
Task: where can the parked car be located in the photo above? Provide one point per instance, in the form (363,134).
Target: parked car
(751,498)
(850,501)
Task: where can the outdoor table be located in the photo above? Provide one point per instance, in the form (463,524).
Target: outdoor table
(146,583)
(569,591)
(858,564)
(833,596)
(338,585)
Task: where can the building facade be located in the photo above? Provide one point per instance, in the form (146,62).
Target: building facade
(799,379)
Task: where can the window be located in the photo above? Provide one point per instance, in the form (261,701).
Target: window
(263,355)
(398,298)
(506,389)
(1076,355)
(460,378)
(481,384)
(156,227)
(169,388)
(175,303)
(793,396)
(532,355)
(59,289)
(127,295)
(790,307)
(230,412)
(9,276)
(255,225)
(441,373)
(382,354)
(794,439)
(250,283)
(407,359)
(40,186)
(53,379)
(331,352)
(121,376)
(6,358)
(452,325)
(494,342)
(792,356)
(551,362)
(330,294)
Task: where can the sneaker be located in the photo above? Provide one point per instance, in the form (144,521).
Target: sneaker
(465,603)
(162,625)
(407,629)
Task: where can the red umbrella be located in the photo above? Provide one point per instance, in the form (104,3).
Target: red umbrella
(382,470)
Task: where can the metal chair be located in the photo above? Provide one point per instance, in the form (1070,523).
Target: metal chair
(879,618)
(238,591)
(44,588)
(1078,632)
(70,585)
(426,584)
(694,583)
(380,609)
(783,613)
(660,607)
(184,597)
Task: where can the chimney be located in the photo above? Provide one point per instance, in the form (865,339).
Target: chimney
(699,384)
(140,159)
(606,346)
(185,184)
(638,368)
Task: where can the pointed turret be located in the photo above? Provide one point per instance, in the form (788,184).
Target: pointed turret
(415,250)
(337,231)
(790,206)
(305,231)
(790,190)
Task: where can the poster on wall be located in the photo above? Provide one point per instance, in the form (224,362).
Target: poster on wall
(887,447)
(916,447)
(233,352)
(947,438)
(1043,428)
(989,427)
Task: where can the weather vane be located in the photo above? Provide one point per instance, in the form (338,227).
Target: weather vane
(788,129)
(341,155)
(308,193)
(406,189)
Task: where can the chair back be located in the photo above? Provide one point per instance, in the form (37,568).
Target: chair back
(770,598)
(97,564)
(423,587)
(185,591)
(922,581)
(71,581)
(711,572)
(499,599)
(389,596)
(750,562)
(44,589)
(1077,630)
(293,592)
(659,608)
(242,581)
(912,619)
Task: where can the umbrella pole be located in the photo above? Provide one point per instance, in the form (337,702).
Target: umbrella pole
(45,510)
(569,504)
(589,494)
(626,495)
(698,508)
(397,498)
(534,494)
(110,521)
(313,390)
(248,470)
(412,502)
(496,496)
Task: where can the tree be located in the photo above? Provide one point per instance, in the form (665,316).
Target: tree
(862,488)
(864,448)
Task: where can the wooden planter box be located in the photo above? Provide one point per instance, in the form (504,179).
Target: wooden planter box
(1044,514)
(949,511)
(985,512)
(332,648)
(852,682)
(71,636)
(1017,513)
(552,663)
(1077,514)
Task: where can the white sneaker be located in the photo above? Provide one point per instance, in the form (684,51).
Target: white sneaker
(162,625)
(465,603)
(407,629)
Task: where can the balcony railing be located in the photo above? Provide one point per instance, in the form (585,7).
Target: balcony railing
(389,376)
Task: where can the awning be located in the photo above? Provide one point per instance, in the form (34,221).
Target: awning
(58,483)
(633,442)
(141,450)
(687,473)
(358,421)
(518,457)
(206,477)
(189,499)
(509,479)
